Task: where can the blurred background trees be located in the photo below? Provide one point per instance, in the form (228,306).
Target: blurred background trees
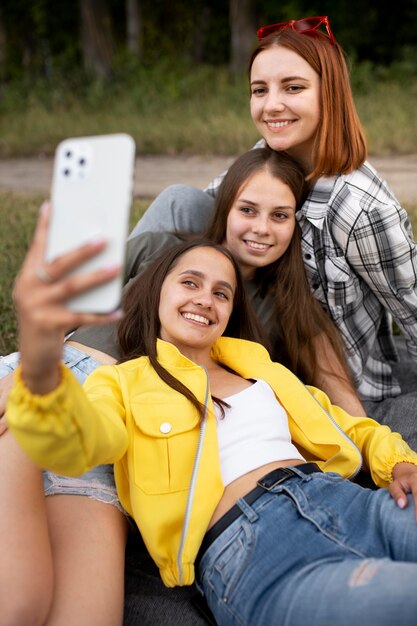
(98,37)
(173,72)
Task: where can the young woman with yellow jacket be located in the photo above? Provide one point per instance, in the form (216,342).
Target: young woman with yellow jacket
(233,470)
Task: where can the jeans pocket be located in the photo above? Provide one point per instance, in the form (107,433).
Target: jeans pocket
(226,562)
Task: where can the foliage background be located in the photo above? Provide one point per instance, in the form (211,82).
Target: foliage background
(175,86)
(173,83)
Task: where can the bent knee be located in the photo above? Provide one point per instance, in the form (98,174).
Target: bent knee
(25,610)
(26,597)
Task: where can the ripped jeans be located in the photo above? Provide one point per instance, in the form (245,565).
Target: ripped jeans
(316,550)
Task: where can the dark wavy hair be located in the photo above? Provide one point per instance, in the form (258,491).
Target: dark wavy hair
(139,329)
(299,317)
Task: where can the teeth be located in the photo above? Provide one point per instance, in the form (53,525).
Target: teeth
(278,124)
(196,318)
(257,246)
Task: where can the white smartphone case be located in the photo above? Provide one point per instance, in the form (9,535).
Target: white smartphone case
(91,196)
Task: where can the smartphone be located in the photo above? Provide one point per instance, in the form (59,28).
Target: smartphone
(91,196)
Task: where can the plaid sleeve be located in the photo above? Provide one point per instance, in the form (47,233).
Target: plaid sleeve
(382,251)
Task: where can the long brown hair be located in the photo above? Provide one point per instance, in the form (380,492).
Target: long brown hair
(299,318)
(139,329)
(340,145)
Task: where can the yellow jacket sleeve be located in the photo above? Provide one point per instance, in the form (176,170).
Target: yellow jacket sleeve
(65,431)
(381,448)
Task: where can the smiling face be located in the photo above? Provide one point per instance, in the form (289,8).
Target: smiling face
(285,101)
(196,301)
(261,222)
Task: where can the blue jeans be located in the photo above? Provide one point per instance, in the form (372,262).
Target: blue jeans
(98,483)
(316,550)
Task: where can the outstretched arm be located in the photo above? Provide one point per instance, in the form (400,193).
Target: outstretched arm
(48,412)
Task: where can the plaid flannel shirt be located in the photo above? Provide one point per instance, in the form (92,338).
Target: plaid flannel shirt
(361,263)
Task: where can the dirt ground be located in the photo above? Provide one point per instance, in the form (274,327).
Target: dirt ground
(154,173)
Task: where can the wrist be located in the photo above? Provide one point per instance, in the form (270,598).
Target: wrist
(402,467)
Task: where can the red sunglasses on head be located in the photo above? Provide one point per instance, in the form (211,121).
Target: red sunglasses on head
(303,27)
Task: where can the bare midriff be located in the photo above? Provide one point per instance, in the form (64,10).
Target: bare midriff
(242,485)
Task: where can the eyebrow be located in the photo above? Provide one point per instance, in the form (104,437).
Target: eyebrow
(287,79)
(256,204)
(222,283)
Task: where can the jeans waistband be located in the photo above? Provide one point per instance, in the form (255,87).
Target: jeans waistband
(266,483)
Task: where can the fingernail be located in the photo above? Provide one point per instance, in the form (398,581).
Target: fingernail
(117,315)
(44,207)
(401,502)
(97,241)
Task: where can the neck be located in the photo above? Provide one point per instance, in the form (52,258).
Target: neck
(304,158)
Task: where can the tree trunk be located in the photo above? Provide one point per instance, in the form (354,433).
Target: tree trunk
(97,39)
(2,49)
(134,28)
(242,35)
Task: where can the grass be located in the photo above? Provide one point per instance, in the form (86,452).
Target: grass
(166,113)
(19,212)
(171,110)
(168,109)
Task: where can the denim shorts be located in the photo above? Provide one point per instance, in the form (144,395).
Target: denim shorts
(98,483)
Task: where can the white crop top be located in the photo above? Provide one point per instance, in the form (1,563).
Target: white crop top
(253,432)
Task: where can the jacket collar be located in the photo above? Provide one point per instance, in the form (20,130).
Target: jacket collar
(226,350)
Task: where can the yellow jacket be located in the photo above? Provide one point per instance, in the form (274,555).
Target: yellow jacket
(166,459)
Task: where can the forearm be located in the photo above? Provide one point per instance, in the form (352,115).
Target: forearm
(333,378)
(341,392)
(40,355)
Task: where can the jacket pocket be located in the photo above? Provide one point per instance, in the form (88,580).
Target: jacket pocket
(165,438)
(342,285)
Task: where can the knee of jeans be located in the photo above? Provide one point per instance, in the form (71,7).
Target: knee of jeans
(364,573)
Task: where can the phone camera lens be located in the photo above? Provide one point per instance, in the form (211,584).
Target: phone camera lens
(68,154)
(81,161)
(67,172)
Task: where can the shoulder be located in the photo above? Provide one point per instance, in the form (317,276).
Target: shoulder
(349,201)
(117,372)
(364,188)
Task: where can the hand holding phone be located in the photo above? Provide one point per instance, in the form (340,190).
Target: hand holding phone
(91,197)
